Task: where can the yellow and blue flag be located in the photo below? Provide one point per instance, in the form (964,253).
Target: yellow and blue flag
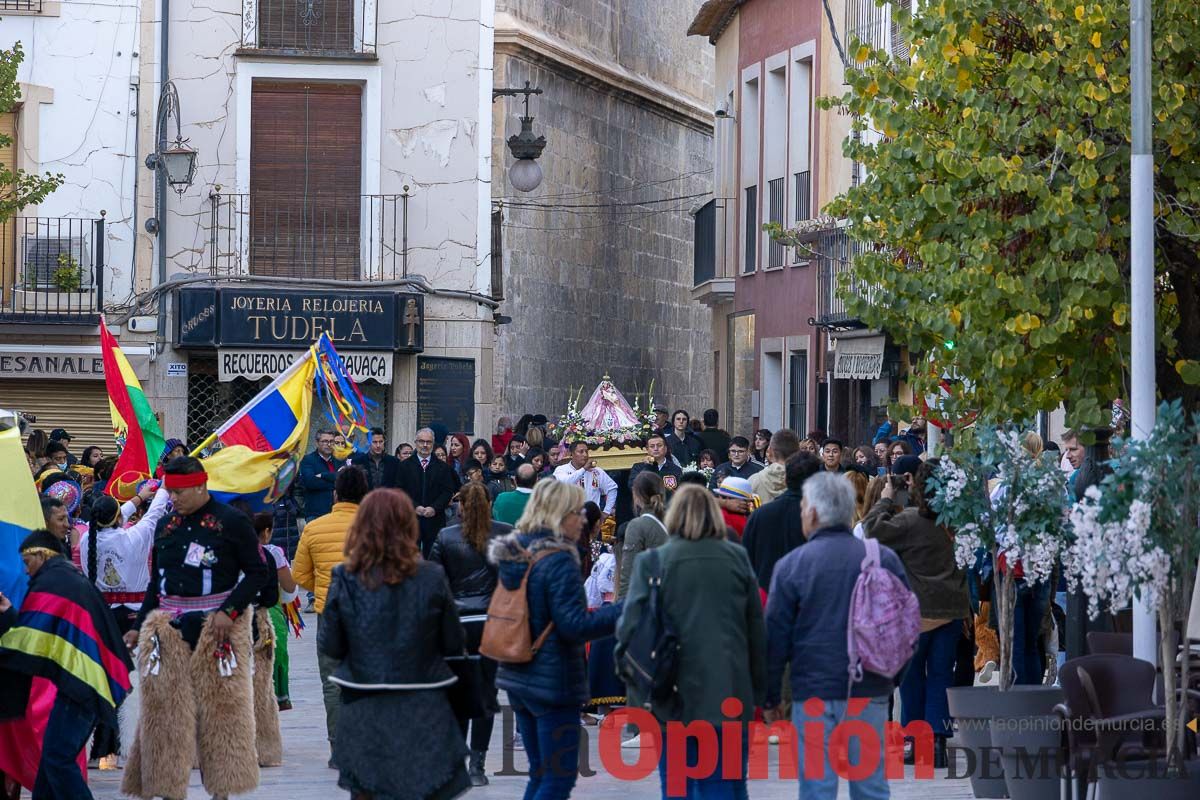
(263,442)
(20,510)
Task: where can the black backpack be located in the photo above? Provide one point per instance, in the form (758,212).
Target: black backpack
(649,660)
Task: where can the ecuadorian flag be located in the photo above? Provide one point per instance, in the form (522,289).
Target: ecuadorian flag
(263,442)
(20,511)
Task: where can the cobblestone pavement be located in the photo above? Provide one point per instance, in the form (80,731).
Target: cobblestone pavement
(304,775)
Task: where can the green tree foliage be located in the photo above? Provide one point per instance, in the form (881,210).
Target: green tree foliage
(17,188)
(996,206)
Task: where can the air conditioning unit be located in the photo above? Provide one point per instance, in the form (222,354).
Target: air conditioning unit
(41,259)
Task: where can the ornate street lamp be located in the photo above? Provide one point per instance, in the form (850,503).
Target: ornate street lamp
(174,163)
(525,175)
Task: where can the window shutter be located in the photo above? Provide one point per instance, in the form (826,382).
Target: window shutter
(305,173)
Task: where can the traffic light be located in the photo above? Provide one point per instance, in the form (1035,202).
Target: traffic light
(948,344)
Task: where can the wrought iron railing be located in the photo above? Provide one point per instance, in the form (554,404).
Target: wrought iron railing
(803,195)
(308,27)
(836,253)
(750,201)
(876,26)
(358,238)
(52,269)
(775,199)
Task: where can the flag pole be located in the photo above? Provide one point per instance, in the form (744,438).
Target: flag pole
(212,437)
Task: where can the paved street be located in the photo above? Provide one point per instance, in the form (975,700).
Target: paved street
(304,775)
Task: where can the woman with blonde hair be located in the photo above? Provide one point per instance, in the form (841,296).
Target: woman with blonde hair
(390,620)
(461,550)
(860,482)
(548,692)
(710,592)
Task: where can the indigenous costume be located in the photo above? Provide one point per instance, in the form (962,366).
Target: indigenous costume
(197,695)
(122,568)
(279,622)
(64,643)
(604,687)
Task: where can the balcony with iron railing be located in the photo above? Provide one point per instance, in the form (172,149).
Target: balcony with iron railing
(836,252)
(52,270)
(322,28)
(363,237)
(712,279)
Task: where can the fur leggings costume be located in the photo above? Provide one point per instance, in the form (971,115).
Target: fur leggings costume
(266,708)
(189,709)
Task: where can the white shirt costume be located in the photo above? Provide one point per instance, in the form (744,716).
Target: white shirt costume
(123,554)
(597,486)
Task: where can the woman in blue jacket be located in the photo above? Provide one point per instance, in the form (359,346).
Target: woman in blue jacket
(548,693)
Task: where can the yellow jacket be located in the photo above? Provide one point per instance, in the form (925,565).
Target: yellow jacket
(321,549)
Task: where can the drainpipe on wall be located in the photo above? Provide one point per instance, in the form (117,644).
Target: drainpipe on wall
(160,176)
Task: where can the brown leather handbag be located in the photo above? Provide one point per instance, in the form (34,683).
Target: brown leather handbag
(506,634)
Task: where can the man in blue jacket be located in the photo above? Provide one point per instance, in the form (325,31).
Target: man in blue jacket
(808,609)
(318,471)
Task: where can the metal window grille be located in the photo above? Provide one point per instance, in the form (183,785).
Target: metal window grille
(866,23)
(751,212)
(776,192)
(803,202)
(798,391)
(899,46)
(212,402)
(21,5)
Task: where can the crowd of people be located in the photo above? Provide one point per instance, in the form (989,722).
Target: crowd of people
(757,542)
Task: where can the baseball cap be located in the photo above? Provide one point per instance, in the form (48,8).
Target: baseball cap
(906,465)
(59,434)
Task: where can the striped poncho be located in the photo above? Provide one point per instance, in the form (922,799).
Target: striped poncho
(66,634)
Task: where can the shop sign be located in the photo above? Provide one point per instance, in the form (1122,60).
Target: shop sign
(72,363)
(176,369)
(255,364)
(446,393)
(286,319)
(858,359)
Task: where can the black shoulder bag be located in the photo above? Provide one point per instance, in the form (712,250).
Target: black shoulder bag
(649,661)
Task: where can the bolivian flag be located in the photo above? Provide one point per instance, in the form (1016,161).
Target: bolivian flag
(20,511)
(264,441)
(132,418)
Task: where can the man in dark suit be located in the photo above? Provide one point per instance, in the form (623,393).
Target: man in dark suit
(658,460)
(430,485)
(382,469)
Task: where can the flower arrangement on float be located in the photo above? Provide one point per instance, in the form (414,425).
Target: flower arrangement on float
(607,420)
(1136,536)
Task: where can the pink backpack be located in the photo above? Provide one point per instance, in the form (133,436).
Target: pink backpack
(884,623)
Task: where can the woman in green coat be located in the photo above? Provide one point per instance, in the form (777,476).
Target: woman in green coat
(710,593)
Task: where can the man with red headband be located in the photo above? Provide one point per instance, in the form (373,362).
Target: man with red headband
(194,630)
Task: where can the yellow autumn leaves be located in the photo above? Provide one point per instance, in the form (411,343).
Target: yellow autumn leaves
(1023,323)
